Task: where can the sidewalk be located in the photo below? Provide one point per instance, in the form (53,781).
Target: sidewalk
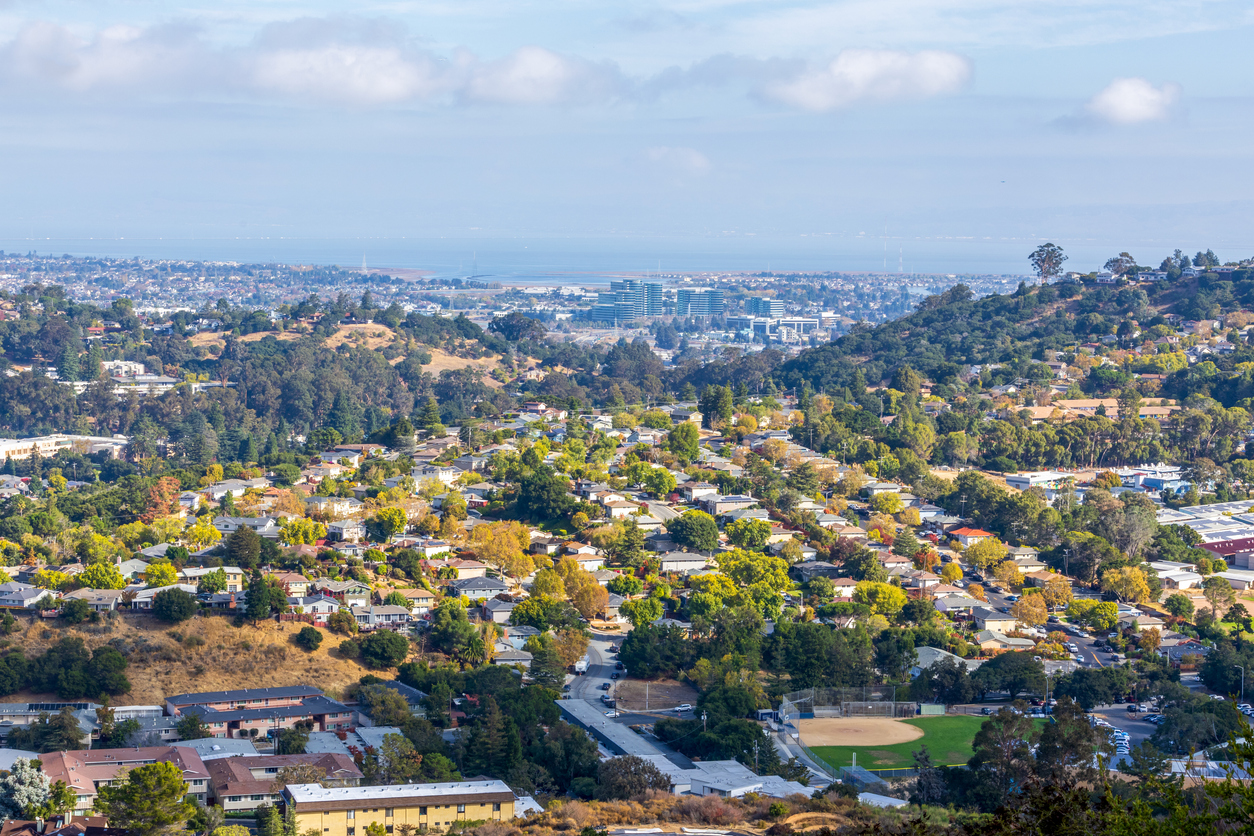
(820,774)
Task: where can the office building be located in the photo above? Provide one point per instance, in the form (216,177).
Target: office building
(761,306)
(705,301)
(628,299)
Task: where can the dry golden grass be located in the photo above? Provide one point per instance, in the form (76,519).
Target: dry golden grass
(372,336)
(670,813)
(211,656)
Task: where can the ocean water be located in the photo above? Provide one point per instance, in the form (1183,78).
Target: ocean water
(585,259)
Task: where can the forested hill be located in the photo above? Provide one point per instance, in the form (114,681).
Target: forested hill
(1016,330)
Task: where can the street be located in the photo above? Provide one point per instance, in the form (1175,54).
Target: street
(600,666)
(1089,656)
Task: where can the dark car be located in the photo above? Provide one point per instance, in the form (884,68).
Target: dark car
(620,666)
(614,675)
(986,711)
(604,686)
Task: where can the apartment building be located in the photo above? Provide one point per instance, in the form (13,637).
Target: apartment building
(348,811)
(85,771)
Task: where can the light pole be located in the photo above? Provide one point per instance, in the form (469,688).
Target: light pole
(1242,668)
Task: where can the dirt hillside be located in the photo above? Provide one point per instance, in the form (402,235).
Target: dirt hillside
(203,654)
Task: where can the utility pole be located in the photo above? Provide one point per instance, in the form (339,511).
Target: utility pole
(703,716)
(1242,681)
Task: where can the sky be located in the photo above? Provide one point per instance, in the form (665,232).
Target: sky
(1102,126)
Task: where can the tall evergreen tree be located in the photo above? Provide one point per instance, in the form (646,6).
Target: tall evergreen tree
(67,366)
(429,417)
(345,416)
(495,746)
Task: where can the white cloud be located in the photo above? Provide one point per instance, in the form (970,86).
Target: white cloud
(1130,101)
(874,75)
(533,75)
(118,56)
(678,159)
(350,74)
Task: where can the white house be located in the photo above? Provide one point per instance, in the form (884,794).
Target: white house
(318,606)
(15,594)
(682,562)
(143,598)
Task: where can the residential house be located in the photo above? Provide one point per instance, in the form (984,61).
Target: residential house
(717,506)
(512,656)
(347,530)
(420,600)
(349,593)
(589,562)
(969,536)
(267,527)
(234,487)
(994,640)
(387,617)
(806,551)
(16,595)
(693,492)
(685,562)
(1175,647)
(963,604)
(318,607)
(497,611)
(143,598)
(1141,621)
(925,657)
(100,600)
(610,611)
(444,475)
(986,619)
(455,568)
(604,576)
(621,509)
(476,589)
(808,570)
(235,581)
(294,584)
(332,507)
(430,548)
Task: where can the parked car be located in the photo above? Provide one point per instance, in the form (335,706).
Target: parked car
(680,709)
(614,675)
(619,666)
(604,686)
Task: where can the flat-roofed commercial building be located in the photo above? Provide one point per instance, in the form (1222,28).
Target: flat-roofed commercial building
(348,811)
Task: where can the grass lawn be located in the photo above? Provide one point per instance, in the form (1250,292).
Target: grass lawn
(948,740)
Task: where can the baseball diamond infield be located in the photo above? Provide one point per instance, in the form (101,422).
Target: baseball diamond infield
(857,732)
(883,743)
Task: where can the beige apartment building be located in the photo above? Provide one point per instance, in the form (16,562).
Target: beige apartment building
(348,811)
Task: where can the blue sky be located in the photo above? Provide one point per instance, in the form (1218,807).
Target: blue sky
(1117,125)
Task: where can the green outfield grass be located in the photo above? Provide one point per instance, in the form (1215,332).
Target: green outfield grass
(948,740)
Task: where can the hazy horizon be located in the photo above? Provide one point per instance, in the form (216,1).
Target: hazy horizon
(958,130)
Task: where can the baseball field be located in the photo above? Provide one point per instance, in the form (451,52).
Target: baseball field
(883,743)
